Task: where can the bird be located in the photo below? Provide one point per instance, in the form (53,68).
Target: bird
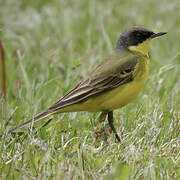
(113,84)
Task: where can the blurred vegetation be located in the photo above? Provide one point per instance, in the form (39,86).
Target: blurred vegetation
(50,46)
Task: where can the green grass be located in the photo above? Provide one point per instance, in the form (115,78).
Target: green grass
(50,46)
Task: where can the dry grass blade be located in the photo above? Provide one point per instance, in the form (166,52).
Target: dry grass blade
(3,71)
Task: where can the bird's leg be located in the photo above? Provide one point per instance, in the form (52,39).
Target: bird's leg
(99,130)
(110,120)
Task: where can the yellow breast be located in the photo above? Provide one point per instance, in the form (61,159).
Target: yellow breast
(124,94)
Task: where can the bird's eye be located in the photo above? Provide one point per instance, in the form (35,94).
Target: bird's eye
(138,34)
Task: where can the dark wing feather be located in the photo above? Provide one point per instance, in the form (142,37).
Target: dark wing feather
(115,71)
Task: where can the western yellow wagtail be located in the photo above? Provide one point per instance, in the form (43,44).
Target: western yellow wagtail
(113,84)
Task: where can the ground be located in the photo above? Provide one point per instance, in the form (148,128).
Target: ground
(50,46)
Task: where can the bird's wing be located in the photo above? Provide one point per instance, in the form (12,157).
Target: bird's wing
(115,71)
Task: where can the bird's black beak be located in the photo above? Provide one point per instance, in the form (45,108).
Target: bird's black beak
(158,34)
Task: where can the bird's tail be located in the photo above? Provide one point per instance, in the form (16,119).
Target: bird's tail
(36,118)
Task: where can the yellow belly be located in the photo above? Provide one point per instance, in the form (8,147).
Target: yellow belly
(115,98)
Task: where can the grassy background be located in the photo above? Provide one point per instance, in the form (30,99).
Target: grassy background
(50,46)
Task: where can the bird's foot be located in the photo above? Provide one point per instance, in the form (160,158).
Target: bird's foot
(99,134)
(99,131)
(111,125)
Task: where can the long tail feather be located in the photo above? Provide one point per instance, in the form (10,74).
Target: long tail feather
(36,118)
